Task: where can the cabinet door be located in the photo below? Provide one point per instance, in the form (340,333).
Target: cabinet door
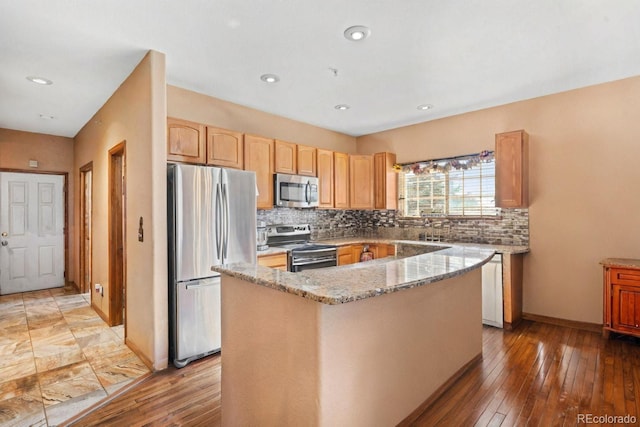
(286,157)
(341,180)
(325,178)
(356,250)
(361,181)
(385,181)
(277,261)
(307,160)
(225,148)
(512,169)
(258,157)
(185,141)
(345,255)
(625,310)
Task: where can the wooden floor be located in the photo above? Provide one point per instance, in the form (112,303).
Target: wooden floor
(538,375)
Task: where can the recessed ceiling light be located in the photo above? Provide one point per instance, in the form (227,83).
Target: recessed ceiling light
(425,107)
(46,117)
(357,33)
(39,80)
(270,78)
(342,107)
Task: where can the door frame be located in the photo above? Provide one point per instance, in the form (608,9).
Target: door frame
(85,287)
(65,201)
(117,289)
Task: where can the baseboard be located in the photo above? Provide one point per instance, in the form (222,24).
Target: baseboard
(413,417)
(106,400)
(100,313)
(139,353)
(585,326)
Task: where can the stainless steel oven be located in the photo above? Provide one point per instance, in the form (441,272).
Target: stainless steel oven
(301,253)
(307,257)
(296,191)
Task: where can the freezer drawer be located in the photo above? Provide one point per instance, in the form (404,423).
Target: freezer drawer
(197,319)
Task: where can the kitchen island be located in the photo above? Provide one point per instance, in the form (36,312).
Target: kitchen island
(363,344)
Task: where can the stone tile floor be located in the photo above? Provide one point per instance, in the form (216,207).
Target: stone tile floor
(58,357)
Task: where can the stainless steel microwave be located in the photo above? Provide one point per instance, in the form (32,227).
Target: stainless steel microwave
(296,191)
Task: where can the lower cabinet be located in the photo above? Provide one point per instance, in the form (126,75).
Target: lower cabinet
(277,261)
(351,253)
(502,291)
(621,297)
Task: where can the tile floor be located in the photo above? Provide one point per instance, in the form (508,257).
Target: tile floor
(58,357)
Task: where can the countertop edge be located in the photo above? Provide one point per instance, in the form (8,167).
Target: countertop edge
(304,284)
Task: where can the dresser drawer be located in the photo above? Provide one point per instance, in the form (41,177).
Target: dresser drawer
(625,276)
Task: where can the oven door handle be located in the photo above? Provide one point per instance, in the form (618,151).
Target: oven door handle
(314,261)
(311,251)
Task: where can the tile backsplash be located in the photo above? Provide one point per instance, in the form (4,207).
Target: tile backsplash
(510,227)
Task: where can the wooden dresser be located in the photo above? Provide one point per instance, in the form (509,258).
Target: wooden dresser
(621,296)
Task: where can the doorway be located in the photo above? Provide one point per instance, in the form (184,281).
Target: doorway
(86,236)
(32,231)
(117,234)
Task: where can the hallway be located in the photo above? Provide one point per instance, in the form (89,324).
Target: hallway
(58,357)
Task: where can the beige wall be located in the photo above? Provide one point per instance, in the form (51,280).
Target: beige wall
(136,114)
(584,173)
(290,361)
(54,154)
(184,104)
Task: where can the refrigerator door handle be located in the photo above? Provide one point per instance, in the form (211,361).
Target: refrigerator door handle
(225,198)
(218,223)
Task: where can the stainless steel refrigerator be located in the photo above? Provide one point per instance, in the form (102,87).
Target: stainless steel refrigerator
(211,221)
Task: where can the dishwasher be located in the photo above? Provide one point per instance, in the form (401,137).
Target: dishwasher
(492,302)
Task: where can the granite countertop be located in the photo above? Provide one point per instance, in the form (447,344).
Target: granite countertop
(342,284)
(621,262)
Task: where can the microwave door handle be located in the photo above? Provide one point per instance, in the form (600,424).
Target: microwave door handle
(307,192)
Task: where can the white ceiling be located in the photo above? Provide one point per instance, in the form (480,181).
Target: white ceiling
(459,55)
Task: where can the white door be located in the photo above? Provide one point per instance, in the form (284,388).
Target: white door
(31,232)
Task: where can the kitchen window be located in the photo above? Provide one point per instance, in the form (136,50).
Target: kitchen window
(458,186)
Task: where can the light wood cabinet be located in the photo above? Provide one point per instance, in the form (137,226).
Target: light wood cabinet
(385,185)
(225,148)
(356,250)
(258,157)
(325,178)
(512,169)
(512,294)
(621,297)
(382,250)
(277,261)
(307,164)
(286,156)
(345,255)
(341,180)
(361,181)
(185,141)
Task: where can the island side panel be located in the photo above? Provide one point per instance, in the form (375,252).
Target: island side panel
(382,357)
(269,356)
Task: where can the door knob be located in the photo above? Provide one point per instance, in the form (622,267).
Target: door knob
(4,234)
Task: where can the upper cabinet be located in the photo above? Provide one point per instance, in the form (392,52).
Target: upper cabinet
(361,181)
(341,180)
(325,178)
(185,141)
(225,148)
(512,169)
(307,160)
(286,157)
(385,184)
(258,157)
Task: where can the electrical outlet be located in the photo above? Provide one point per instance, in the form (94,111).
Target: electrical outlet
(100,289)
